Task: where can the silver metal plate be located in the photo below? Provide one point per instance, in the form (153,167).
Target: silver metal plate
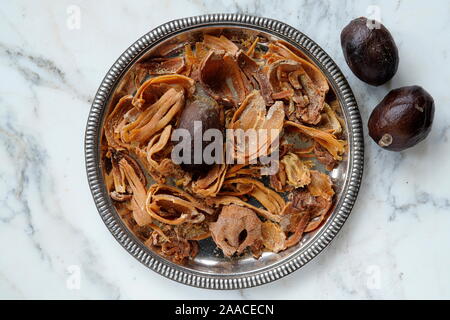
(210,269)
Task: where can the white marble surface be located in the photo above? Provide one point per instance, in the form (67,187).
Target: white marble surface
(396,243)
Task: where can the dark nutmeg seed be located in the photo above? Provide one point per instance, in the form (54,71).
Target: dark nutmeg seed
(370,51)
(402,119)
(205,110)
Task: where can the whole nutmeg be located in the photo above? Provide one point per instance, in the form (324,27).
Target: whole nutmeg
(402,119)
(370,51)
(205,111)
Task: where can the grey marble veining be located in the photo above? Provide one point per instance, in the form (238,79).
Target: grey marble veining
(394,245)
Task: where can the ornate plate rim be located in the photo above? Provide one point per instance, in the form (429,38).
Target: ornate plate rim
(251,278)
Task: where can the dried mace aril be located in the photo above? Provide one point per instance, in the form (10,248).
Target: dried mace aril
(402,119)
